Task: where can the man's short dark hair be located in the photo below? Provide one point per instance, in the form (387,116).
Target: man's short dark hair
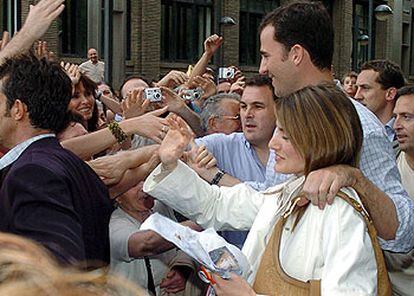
(42,86)
(405,91)
(390,74)
(307,24)
(261,80)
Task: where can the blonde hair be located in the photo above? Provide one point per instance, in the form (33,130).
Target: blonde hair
(27,269)
(322,125)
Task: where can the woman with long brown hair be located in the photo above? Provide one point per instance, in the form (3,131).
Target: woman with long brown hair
(317,127)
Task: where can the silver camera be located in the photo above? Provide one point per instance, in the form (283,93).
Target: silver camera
(226,73)
(154,95)
(193,94)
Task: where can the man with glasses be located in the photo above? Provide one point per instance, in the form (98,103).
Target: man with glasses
(221,114)
(243,156)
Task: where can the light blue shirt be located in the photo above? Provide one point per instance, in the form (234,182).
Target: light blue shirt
(389,129)
(379,166)
(235,156)
(13,154)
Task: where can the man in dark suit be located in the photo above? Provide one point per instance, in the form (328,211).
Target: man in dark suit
(47,193)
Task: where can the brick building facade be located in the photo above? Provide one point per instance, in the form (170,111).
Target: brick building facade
(151,37)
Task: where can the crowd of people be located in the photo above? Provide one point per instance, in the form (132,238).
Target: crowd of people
(312,180)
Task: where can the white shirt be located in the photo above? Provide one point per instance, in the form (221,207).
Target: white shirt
(332,245)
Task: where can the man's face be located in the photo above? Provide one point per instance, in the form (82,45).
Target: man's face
(257,113)
(369,91)
(276,63)
(6,122)
(93,55)
(404,123)
(228,121)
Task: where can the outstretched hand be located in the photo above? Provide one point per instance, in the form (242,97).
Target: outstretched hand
(175,142)
(72,70)
(134,105)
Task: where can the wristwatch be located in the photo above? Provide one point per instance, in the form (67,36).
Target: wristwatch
(217,177)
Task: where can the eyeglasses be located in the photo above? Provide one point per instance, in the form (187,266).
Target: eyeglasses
(228,117)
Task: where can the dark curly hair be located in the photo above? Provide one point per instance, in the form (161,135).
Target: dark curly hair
(42,86)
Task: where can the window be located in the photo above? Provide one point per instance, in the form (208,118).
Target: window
(74,26)
(185,24)
(360,35)
(3,17)
(251,14)
(411,73)
(10,16)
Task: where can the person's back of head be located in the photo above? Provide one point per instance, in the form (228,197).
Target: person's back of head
(42,86)
(307,24)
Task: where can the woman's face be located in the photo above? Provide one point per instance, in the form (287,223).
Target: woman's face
(82,102)
(288,160)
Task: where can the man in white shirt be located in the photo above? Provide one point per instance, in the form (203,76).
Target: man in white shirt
(400,266)
(93,68)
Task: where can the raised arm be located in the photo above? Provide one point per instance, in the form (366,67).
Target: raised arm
(211,44)
(37,22)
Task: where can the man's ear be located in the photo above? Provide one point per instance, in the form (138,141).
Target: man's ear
(390,94)
(19,110)
(297,54)
(211,123)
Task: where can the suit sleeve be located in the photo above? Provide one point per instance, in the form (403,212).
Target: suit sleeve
(42,210)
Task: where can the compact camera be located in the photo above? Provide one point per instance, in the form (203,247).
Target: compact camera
(193,94)
(226,73)
(154,95)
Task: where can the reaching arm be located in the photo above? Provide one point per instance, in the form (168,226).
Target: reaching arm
(147,125)
(149,243)
(38,21)
(211,44)
(178,106)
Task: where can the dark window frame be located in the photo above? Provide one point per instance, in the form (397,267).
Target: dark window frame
(176,29)
(251,14)
(74,26)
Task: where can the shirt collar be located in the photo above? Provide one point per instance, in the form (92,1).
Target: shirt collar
(389,129)
(17,150)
